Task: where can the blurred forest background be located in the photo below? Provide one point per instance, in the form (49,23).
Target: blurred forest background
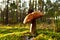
(13,12)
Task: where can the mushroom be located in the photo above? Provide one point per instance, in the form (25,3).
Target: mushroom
(31,17)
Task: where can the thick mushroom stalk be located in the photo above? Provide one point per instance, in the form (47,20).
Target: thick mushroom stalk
(32,18)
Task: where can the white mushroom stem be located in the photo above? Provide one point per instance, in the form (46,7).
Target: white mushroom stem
(33,27)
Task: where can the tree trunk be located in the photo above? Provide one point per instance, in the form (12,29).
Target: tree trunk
(6,20)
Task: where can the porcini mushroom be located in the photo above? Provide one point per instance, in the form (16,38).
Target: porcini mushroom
(31,17)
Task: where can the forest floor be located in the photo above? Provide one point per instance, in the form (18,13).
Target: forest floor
(15,32)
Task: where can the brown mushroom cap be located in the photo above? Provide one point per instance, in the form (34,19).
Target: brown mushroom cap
(31,16)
